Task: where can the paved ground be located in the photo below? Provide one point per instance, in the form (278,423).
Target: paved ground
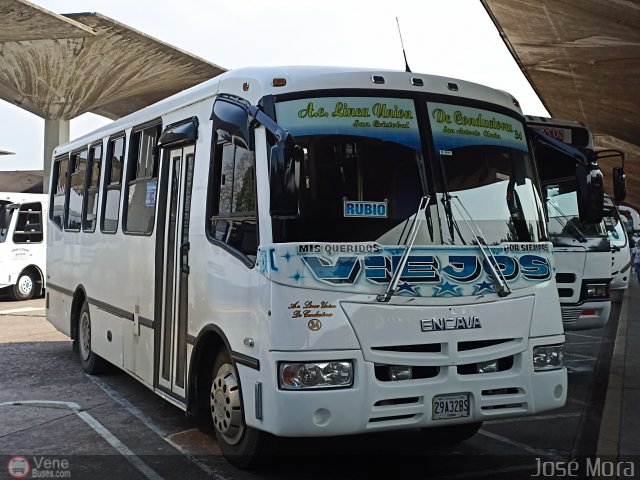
(112,426)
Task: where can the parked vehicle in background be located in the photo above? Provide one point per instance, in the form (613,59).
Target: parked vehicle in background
(621,260)
(312,251)
(631,220)
(22,246)
(581,248)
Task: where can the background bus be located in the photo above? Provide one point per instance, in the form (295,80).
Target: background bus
(310,251)
(621,261)
(22,247)
(582,250)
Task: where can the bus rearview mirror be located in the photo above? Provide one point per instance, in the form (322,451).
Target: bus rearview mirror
(619,184)
(233,119)
(590,193)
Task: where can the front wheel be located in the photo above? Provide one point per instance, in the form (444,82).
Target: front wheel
(91,363)
(241,445)
(24,288)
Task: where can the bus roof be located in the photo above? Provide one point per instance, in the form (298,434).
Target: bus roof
(253,83)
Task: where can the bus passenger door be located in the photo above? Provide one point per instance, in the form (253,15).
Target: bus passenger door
(172,286)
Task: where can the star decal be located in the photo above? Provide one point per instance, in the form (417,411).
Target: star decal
(447,288)
(406,287)
(287,256)
(481,287)
(297,276)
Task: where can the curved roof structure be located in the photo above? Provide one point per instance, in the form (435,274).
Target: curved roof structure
(61,66)
(582,57)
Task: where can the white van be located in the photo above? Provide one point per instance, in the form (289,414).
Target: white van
(621,259)
(22,247)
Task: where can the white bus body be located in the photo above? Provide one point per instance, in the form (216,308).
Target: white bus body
(621,260)
(582,252)
(22,246)
(206,276)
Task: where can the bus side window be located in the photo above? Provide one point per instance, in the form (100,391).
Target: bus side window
(58,190)
(233,213)
(142,181)
(112,182)
(92,189)
(29,224)
(75,190)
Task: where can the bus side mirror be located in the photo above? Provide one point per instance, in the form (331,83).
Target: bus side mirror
(233,119)
(590,193)
(619,184)
(5,215)
(285,167)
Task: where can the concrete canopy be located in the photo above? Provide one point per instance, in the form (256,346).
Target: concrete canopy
(59,67)
(582,57)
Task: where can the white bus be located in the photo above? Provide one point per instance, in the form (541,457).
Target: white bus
(22,246)
(310,251)
(581,248)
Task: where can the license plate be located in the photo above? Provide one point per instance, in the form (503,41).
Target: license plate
(455,405)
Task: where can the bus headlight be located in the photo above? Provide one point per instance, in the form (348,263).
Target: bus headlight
(315,375)
(548,357)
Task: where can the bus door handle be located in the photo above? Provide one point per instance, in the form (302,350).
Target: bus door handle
(184,257)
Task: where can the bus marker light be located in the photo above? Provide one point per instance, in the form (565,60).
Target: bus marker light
(279,82)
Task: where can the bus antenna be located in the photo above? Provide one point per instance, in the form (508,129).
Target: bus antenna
(406,64)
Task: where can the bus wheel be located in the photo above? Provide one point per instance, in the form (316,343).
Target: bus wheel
(91,363)
(451,434)
(25,287)
(241,445)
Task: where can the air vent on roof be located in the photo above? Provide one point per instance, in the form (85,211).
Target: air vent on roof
(417,82)
(377,78)
(452,86)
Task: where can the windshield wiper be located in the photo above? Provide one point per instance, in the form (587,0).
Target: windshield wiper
(446,202)
(503,287)
(567,221)
(411,239)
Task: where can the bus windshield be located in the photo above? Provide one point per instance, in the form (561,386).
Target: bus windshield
(364,173)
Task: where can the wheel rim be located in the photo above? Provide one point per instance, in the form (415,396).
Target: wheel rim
(226,409)
(25,285)
(85,336)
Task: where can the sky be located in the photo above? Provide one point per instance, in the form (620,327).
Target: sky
(454,38)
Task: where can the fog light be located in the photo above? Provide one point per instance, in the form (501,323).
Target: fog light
(314,375)
(596,290)
(400,372)
(488,367)
(548,357)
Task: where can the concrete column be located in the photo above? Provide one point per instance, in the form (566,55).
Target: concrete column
(56,132)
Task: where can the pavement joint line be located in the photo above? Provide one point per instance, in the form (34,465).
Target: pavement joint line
(524,446)
(484,473)
(100,429)
(581,335)
(21,310)
(582,356)
(610,424)
(149,423)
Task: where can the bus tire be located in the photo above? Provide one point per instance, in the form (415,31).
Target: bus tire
(452,434)
(91,363)
(25,287)
(240,444)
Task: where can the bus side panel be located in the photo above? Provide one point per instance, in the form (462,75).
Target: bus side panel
(59,311)
(106,335)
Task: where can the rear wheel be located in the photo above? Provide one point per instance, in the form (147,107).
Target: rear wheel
(452,434)
(91,363)
(25,287)
(241,445)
